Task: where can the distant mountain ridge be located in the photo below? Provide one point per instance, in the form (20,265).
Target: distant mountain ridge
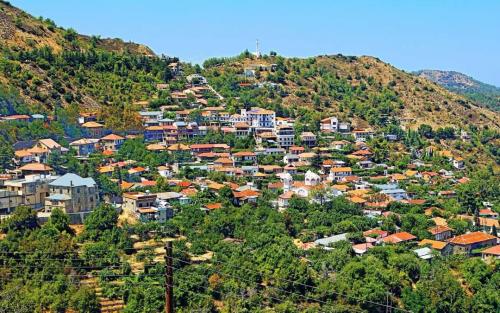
(483,94)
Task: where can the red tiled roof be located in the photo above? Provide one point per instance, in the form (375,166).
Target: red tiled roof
(184,184)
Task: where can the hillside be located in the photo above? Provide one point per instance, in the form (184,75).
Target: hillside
(44,67)
(357,87)
(479,92)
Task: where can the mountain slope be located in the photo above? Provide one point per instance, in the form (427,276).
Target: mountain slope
(44,67)
(362,87)
(481,93)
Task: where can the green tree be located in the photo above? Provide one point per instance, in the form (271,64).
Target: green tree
(22,219)
(60,221)
(85,301)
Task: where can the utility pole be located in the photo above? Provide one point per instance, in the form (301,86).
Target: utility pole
(169,279)
(387,309)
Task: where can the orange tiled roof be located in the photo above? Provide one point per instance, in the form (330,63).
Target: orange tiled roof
(126,185)
(438,229)
(214,206)
(92,125)
(275,185)
(287,195)
(155,147)
(471,238)
(246,193)
(178,147)
(357,199)
(378,232)
(439,221)
(244,153)
(184,184)
(112,137)
(362,153)
(189,192)
(224,161)
(435,244)
(22,153)
(341,169)
(399,237)
(36,167)
(495,250)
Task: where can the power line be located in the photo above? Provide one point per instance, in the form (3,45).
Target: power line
(246,269)
(314,287)
(274,287)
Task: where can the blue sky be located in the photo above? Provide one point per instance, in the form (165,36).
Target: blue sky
(410,34)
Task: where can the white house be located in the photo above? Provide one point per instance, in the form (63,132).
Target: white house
(329,125)
(338,173)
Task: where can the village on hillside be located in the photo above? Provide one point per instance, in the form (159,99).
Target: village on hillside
(248,156)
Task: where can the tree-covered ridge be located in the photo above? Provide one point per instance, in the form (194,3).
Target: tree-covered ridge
(88,72)
(479,92)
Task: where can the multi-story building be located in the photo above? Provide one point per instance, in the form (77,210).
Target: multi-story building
(146,206)
(242,129)
(30,190)
(362,134)
(72,194)
(329,125)
(308,139)
(132,201)
(9,200)
(285,135)
(112,142)
(85,146)
(259,118)
(151,118)
(338,173)
(94,129)
(244,156)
